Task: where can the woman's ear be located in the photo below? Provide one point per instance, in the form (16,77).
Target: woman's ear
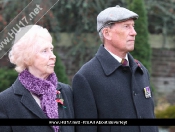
(27,61)
(106,33)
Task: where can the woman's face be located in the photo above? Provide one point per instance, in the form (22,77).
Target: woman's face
(44,59)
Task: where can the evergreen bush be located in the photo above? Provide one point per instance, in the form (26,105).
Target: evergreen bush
(7,77)
(60,70)
(142,50)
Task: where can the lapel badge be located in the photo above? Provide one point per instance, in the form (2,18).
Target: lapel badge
(147,92)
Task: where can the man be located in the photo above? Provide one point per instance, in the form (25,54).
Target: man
(105,88)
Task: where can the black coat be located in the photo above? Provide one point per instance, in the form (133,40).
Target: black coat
(103,88)
(17,102)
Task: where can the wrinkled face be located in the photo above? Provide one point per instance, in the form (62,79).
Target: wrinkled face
(44,59)
(122,36)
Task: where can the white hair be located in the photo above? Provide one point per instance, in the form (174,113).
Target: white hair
(24,47)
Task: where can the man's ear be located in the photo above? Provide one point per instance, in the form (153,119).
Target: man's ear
(106,33)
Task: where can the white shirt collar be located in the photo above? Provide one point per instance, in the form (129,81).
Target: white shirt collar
(118,58)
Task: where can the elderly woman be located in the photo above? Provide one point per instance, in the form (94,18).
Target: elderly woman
(36,93)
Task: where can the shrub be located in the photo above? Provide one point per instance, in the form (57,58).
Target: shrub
(7,77)
(60,70)
(167,113)
(142,49)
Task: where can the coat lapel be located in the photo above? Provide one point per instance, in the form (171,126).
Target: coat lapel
(135,64)
(110,64)
(27,100)
(107,61)
(60,107)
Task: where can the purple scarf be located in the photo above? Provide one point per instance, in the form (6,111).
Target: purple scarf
(45,90)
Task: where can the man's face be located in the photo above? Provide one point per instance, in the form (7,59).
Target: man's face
(122,36)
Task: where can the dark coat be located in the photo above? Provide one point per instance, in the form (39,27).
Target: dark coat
(103,88)
(17,102)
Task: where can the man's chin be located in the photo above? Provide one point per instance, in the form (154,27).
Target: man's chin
(131,49)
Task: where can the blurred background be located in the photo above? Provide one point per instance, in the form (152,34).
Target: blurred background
(72,24)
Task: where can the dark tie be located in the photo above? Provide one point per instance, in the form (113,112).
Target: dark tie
(124,62)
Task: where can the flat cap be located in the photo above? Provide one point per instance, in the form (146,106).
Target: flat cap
(114,14)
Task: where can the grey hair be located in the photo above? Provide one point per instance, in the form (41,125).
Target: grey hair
(101,35)
(108,25)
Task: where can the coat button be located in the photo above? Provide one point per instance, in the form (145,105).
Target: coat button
(134,93)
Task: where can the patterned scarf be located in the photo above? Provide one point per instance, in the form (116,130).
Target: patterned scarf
(45,89)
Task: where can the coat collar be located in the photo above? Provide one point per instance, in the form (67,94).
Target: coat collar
(27,100)
(110,64)
(59,87)
(60,107)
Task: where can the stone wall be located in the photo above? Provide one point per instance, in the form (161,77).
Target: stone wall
(163,63)
(163,73)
